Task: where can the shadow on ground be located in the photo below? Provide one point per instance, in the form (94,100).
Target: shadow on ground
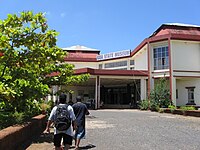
(89,146)
(44,138)
(48,138)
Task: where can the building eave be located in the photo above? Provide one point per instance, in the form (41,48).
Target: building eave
(111,72)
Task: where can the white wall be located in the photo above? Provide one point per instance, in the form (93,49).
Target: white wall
(141,60)
(183,92)
(85,90)
(185,55)
(79,65)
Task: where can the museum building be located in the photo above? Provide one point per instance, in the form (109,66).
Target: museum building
(126,77)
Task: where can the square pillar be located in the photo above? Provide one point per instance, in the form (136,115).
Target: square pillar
(143,89)
(97,93)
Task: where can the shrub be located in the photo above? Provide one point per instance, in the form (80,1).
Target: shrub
(185,108)
(10,118)
(160,96)
(144,104)
(164,103)
(18,117)
(161,110)
(172,108)
(154,105)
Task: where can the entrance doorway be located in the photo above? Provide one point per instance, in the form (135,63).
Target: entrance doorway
(121,95)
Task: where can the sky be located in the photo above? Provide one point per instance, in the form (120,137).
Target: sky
(106,25)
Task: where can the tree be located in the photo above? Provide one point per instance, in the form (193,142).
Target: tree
(160,95)
(28,56)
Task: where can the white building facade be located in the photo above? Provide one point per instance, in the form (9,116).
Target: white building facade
(126,77)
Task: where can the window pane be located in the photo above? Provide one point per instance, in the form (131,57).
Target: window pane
(159,50)
(162,54)
(163,49)
(155,50)
(132,62)
(100,66)
(116,64)
(155,62)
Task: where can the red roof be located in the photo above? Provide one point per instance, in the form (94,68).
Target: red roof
(111,72)
(81,56)
(106,72)
(164,32)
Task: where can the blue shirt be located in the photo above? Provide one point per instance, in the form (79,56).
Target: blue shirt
(80,110)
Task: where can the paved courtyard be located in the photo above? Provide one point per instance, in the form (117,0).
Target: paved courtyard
(134,130)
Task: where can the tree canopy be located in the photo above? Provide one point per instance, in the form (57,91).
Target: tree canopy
(28,55)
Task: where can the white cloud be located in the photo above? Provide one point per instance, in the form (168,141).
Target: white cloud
(63,14)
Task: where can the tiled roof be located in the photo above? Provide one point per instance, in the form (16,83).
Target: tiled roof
(177,28)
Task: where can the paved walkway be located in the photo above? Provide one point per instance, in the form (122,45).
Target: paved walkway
(134,130)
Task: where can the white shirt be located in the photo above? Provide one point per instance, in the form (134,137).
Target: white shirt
(72,116)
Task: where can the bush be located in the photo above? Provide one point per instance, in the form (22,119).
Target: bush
(10,118)
(144,104)
(185,108)
(164,103)
(160,96)
(154,105)
(172,107)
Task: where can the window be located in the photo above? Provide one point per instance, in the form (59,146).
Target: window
(121,69)
(161,58)
(116,64)
(132,62)
(100,66)
(190,94)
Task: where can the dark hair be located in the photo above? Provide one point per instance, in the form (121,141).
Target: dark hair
(62,98)
(78,98)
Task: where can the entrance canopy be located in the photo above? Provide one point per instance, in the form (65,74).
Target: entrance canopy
(116,88)
(112,72)
(111,77)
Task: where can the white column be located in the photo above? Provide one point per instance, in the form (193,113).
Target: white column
(173,91)
(143,89)
(97,93)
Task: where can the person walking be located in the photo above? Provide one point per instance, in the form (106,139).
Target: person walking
(63,118)
(80,110)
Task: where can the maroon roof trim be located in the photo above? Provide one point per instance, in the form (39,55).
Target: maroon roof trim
(81,59)
(139,47)
(185,37)
(151,39)
(159,38)
(143,43)
(111,72)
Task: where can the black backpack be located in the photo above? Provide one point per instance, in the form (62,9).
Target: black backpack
(63,120)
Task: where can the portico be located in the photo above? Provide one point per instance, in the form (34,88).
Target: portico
(115,88)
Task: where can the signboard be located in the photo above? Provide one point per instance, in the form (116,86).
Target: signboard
(114,55)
